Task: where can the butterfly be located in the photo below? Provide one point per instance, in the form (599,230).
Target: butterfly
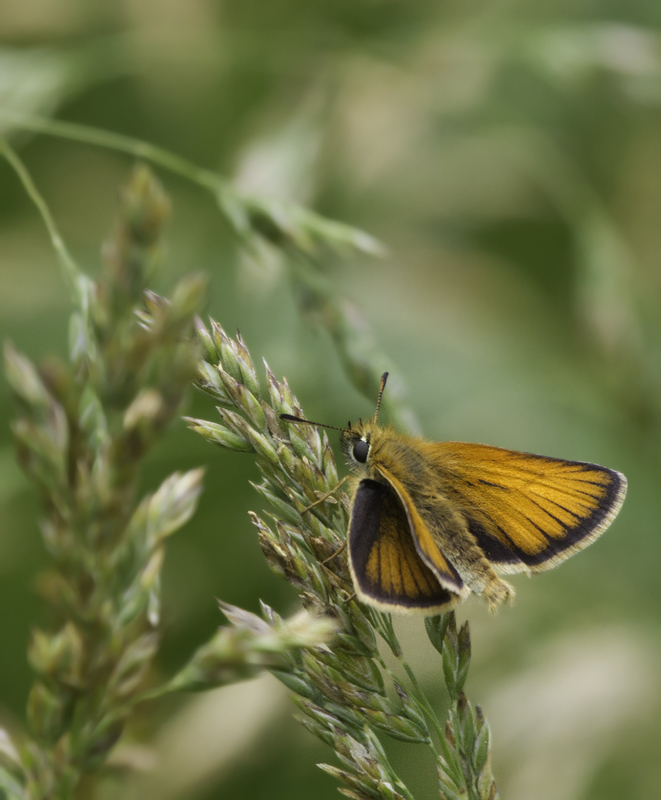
(431,522)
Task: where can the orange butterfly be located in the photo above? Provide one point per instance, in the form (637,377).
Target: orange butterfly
(431,522)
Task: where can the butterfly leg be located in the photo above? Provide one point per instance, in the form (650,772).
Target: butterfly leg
(336,553)
(325,497)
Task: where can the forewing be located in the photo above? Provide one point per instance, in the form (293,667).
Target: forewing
(386,569)
(528,512)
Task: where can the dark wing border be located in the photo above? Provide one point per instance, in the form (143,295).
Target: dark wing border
(501,550)
(364,531)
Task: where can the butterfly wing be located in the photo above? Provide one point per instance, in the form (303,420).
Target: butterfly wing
(425,544)
(528,513)
(386,568)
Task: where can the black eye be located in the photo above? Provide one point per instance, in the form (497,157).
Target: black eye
(360,451)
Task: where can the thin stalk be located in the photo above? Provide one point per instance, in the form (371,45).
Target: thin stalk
(124,144)
(390,637)
(72,274)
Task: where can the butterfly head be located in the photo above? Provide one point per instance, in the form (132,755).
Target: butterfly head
(357,441)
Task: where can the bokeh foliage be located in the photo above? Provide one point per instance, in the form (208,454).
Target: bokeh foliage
(507,155)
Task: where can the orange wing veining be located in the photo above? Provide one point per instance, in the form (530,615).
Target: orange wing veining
(424,542)
(386,569)
(528,512)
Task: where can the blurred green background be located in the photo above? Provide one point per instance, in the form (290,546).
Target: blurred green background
(509,156)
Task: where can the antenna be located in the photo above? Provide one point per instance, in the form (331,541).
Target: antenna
(291,418)
(384,378)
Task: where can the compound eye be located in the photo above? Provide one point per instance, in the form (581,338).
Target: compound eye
(360,451)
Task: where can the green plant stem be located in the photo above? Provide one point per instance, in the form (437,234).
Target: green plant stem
(393,643)
(117,141)
(72,274)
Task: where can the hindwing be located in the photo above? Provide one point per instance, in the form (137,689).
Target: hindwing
(386,568)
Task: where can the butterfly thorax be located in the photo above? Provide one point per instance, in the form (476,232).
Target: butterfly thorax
(370,449)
